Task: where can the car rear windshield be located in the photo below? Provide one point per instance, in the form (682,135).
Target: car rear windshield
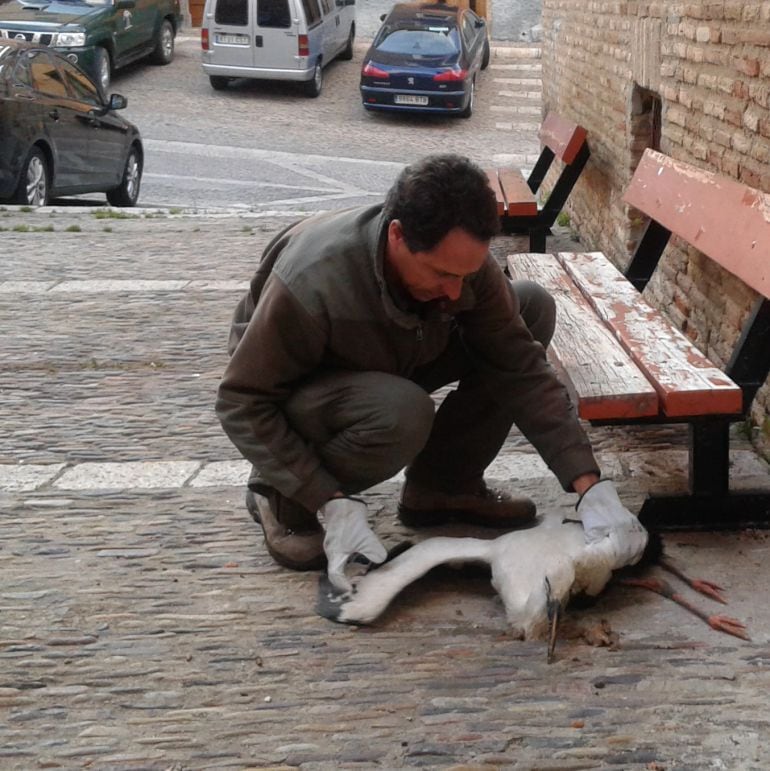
(419,43)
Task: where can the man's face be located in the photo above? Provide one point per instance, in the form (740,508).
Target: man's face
(438,273)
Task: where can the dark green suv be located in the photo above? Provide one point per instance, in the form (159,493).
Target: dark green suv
(97,35)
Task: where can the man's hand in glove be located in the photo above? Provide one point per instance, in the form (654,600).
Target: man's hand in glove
(603,515)
(347,535)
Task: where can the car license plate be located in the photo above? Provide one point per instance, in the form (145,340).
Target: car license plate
(413,99)
(232,40)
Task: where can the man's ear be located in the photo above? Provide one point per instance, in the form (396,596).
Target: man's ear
(395,231)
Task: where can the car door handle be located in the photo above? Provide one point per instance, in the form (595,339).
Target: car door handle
(258,41)
(54,114)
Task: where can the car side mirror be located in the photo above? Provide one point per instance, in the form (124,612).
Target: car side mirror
(479,23)
(125,4)
(117,102)
(383,17)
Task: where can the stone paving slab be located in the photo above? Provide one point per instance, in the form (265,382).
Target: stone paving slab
(143,625)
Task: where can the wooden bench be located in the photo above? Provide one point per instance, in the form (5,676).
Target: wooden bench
(625,363)
(517,197)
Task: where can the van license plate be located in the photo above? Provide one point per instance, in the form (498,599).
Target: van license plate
(232,40)
(419,101)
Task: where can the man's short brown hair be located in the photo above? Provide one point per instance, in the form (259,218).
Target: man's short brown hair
(438,193)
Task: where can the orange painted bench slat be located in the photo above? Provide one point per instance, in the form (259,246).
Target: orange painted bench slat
(512,193)
(519,199)
(494,183)
(603,380)
(563,137)
(688,384)
(722,218)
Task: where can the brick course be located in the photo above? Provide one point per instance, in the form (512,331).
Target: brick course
(712,74)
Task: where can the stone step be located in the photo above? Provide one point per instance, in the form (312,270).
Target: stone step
(516,52)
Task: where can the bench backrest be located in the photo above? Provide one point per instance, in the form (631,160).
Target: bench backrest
(726,220)
(564,137)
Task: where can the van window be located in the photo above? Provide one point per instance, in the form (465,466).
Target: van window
(235,12)
(273,13)
(312,12)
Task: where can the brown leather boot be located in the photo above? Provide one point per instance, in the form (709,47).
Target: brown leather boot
(484,506)
(293,536)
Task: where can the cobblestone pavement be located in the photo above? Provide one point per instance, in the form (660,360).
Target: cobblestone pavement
(143,626)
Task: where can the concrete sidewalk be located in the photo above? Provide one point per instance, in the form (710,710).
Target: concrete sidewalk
(143,626)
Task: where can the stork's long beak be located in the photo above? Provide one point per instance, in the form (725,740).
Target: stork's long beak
(553,608)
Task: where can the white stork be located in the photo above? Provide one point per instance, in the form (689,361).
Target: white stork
(535,571)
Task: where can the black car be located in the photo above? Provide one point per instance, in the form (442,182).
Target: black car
(425,58)
(58,136)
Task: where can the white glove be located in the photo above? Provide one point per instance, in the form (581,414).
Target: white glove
(348,534)
(603,515)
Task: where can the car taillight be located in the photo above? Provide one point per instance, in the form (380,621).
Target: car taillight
(370,71)
(304,46)
(204,38)
(457,74)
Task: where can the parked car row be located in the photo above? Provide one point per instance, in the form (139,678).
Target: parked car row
(61,134)
(425,57)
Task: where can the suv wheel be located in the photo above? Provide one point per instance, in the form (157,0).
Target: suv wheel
(164,44)
(313,86)
(102,68)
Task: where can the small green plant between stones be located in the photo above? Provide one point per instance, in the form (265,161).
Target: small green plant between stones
(73,229)
(109,214)
(563,219)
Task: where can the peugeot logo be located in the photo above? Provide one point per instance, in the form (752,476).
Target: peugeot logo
(20,36)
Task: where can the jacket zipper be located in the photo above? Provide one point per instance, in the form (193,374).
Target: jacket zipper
(419,333)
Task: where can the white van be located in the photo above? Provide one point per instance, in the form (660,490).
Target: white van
(275,39)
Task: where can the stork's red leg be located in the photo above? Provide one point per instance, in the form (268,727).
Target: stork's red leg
(721,623)
(700,585)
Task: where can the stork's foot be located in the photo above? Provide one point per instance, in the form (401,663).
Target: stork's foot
(729,625)
(720,623)
(709,589)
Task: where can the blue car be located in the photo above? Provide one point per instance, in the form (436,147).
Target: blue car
(425,58)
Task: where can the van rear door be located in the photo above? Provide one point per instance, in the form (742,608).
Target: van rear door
(275,41)
(231,35)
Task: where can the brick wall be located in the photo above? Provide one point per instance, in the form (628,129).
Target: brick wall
(709,65)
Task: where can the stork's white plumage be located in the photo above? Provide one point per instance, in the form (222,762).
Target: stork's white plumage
(534,571)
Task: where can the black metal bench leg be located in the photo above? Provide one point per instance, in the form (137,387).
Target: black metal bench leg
(710,458)
(537,239)
(710,505)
